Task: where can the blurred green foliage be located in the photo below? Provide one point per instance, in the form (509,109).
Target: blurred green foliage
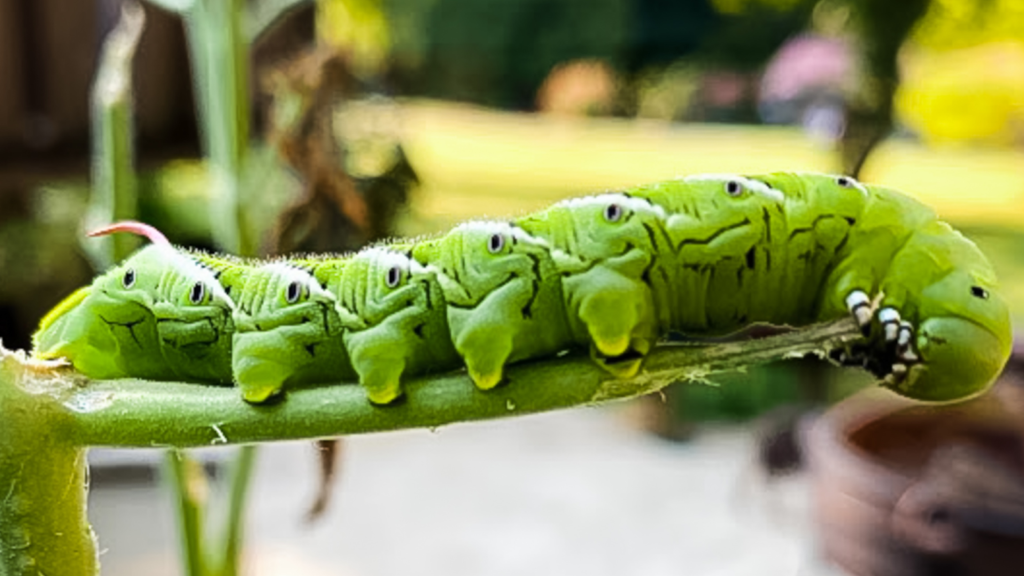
(456,49)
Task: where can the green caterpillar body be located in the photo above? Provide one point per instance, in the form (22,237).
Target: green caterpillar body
(705,255)
(157,315)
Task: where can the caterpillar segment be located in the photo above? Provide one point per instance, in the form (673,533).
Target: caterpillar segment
(393,315)
(502,294)
(287,332)
(605,248)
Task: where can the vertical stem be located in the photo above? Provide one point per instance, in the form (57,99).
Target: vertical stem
(241,473)
(186,478)
(43,524)
(220,55)
(113,175)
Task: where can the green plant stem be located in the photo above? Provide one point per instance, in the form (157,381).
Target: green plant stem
(220,58)
(43,527)
(141,413)
(49,414)
(188,483)
(113,195)
(241,473)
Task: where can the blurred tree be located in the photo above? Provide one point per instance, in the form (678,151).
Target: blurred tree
(665,30)
(881,27)
(964,73)
(499,52)
(751,31)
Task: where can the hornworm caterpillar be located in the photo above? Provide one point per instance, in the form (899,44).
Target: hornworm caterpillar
(705,255)
(158,315)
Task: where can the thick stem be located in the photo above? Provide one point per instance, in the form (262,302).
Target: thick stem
(43,525)
(48,414)
(142,413)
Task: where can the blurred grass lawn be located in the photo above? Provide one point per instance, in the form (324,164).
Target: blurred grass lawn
(476,162)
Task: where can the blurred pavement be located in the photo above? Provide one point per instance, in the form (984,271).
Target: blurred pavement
(575,492)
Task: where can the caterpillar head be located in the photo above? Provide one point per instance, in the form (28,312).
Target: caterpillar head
(283,320)
(964,334)
(111,328)
(597,227)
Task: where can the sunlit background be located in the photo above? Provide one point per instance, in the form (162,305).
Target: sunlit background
(369,119)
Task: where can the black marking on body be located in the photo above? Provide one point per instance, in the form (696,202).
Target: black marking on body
(130,326)
(664,274)
(511,276)
(645,276)
(311,348)
(535,264)
(418,330)
(766,217)
(751,257)
(324,310)
(651,235)
(453,273)
(527,310)
(213,328)
(842,243)
(713,236)
(648,200)
(426,292)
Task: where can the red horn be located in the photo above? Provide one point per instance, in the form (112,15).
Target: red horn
(155,236)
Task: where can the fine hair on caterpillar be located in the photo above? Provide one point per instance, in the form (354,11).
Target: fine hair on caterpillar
(612,273)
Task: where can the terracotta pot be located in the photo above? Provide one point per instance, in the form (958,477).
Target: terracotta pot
(903,489)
